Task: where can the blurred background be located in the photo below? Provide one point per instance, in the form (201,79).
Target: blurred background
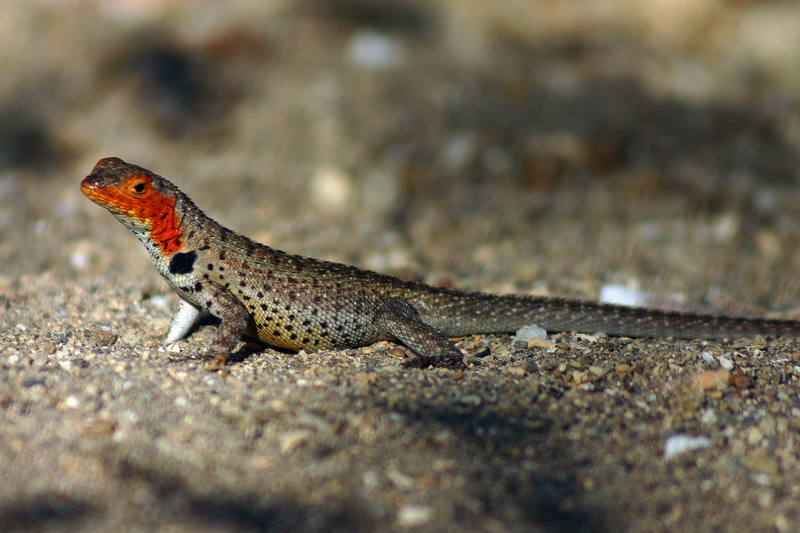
(522,145)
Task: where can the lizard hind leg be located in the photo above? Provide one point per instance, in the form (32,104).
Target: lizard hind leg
(399,320)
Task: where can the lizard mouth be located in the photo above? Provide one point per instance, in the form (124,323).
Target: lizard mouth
(90,184)
(92,187)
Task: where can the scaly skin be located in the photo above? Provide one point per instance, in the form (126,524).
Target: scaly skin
(302,303)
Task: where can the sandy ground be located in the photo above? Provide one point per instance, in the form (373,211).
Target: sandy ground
(540,147)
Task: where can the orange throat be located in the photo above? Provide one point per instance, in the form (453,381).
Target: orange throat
(155,211)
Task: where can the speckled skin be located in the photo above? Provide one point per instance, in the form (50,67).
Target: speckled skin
(302,303)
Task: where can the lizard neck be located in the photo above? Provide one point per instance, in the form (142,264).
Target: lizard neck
(173,230)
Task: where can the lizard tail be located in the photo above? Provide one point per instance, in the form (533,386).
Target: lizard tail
(457,313)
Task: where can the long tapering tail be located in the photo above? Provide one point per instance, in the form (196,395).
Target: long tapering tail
(456,313)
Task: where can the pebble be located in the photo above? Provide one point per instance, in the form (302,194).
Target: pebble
(99,428)
(754,436)
(104,338)
(541,343)
(330,188)
(725,363)
(712,380)
(598,370)
(373,50)
(763,463)
(528,333)
(679,444)
(400,480)
(414,515)
(292,440)
(622,295)
(623,368)
(517,371)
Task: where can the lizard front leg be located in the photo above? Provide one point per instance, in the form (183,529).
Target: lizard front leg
(233,319)
(399,320)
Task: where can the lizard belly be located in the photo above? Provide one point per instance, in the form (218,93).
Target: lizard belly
(297,326)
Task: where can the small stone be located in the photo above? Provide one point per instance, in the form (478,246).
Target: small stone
(763,463)
(72,402)
(768,425)
(331,189)
(291,441)
(103,338)
(712,380)
(754,436)
(517,371)
(366,378)
(623,368)
(739,381)
(261,462)
(99,428)
(598,371)
(372,50)
(400,480)
(541,343)
(470,401)
(679,444)
(525,334)
(47,348)
(622,295)
(414,515)
(398,353)
(725,363)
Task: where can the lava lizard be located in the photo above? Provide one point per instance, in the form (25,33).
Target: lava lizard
(301,303)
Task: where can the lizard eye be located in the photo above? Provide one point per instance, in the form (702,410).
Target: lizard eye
(138,187)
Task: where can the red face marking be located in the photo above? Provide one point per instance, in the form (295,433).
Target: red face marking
(134,196)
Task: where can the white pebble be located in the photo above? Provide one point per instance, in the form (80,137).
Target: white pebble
(373,50)
(678,444)
(331,188)
(622,295)
(413,515)
(72,401)
(159,301)
(526,333)
(725,363)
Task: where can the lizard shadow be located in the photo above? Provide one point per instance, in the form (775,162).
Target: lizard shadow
(44,511)
(512,455)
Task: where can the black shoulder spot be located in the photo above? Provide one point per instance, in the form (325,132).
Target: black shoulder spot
(182,262)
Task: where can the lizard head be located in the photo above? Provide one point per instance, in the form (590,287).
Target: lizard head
(143,201)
